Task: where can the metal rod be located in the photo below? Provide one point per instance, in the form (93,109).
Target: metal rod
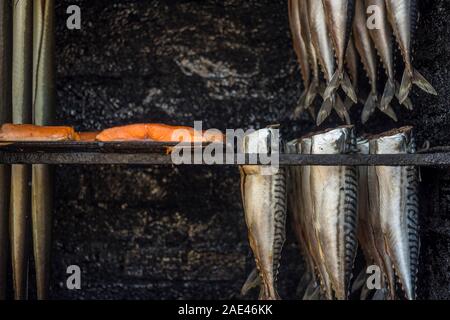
(20,174)
(43,114)
(142,158)
(5,116)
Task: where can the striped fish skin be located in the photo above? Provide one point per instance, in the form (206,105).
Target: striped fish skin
(402,16)
(300,47)
(396,192)
(264,201)
(334,198)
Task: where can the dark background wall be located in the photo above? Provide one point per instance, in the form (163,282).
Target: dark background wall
(178,232)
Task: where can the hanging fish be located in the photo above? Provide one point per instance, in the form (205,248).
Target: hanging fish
(339,17)
(368,55)
(382,39)
(324,49)
(301,50)
(312,229)
(264,200)
(369,233)
(314,87)
(403,17)
(394,191)
(334,201)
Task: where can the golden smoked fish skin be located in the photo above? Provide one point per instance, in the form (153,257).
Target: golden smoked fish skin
(264,201)
(395,195)
(334,199)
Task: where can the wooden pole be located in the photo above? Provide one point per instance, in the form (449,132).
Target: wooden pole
(43,114)
(5,116)
(20,174)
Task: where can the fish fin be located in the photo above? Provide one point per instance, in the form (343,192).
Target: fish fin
(252,281)
(369,107)
(348,88)
(341,110)
(324,111)
(422,83)
(312,291)
(388,95)
(390,112)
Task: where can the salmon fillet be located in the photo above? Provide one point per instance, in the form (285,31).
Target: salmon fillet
(157,132)
(29,132)
(88,136)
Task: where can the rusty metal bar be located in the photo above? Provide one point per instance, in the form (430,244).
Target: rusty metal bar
(106,155)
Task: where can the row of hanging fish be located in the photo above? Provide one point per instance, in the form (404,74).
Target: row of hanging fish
(333,209)
(332,37)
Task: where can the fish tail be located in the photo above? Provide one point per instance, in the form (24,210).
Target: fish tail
(407,103)
(423,83)
(405,87)
(348,103)
(348,88)
(369,107)
(340,79)
(311,93)
(341,110)
(312,291)
(253,281)
(388,95)
(325,110)
(301,106)
(410,78)
(332,86)
(268,292)
(389,111)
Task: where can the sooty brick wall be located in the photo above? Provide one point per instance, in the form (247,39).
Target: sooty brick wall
(178,232)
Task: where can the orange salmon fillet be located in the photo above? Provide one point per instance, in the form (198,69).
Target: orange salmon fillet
(29,132)
(156,132)
(87,136)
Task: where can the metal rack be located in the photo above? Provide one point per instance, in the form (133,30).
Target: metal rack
(155,153)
